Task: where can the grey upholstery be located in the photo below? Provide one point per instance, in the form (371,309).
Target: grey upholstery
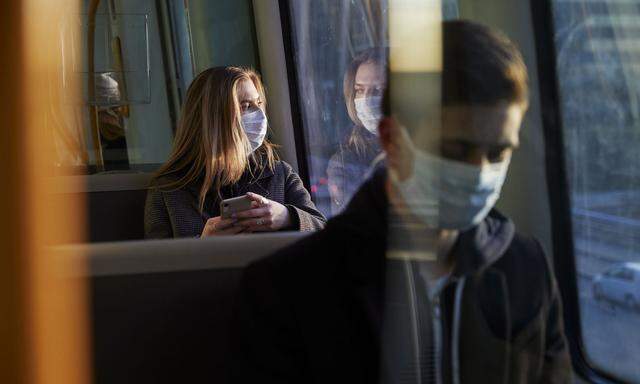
(116,215)
(160,310)
(111,215)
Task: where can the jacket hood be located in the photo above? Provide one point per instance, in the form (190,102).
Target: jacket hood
(367,218)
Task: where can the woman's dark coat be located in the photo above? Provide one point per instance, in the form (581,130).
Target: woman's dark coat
(176,214)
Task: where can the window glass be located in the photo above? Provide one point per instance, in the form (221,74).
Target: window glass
(618,274)
(222,33)
(622,274)
(598,63)
(135,61)
(327,35)
(332,41)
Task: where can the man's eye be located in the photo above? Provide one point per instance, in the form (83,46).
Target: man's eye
(496,156)
(359,92)
(454,151)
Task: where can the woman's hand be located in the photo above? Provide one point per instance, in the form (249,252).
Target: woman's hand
(216,226)
(265,216)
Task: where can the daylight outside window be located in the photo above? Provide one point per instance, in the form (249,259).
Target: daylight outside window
(598,53)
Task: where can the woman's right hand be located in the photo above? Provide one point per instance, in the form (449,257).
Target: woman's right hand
(216,226)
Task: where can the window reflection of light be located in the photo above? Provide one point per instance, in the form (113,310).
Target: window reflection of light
(415,34)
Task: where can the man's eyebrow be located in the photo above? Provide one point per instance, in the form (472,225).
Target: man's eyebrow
(503,146)
(491,146)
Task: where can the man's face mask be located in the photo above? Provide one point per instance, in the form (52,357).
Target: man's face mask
(369,112)
(255,127)
(449,194)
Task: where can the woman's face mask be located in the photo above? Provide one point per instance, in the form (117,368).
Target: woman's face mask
(254,124)
(369,112)
(449,194)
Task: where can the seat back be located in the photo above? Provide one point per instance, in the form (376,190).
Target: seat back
(161,310)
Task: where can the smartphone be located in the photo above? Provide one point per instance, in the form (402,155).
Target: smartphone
(234,205)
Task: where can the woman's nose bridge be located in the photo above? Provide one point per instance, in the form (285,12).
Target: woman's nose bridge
(369,90)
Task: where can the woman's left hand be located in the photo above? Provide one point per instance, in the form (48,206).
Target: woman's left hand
(265,216)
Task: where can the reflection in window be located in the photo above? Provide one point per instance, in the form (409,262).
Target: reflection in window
(332,41)
(327,35)
(133,61)
(598,57)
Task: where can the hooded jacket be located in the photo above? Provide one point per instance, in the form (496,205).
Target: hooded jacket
(320,310)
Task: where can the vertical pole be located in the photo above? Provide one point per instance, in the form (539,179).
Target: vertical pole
(43,328)
(91,84)
(13,352)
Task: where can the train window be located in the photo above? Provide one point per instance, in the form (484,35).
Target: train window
(138,59)
(326,36)
(222,33)
(339,50)
(598,61)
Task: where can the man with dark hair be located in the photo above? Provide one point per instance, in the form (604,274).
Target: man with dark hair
(420,280)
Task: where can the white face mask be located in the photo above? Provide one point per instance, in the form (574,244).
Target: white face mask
(255,127)
(369,112)
(448,194)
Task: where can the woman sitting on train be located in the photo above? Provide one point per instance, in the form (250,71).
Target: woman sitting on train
(221,151)
(363,86)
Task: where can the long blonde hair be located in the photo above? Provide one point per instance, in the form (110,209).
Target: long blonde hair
(210,146)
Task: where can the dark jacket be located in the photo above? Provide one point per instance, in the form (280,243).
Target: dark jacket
(313,312)
(176,213)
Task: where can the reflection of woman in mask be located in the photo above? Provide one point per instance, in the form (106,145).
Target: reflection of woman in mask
(364,84)
(221,151)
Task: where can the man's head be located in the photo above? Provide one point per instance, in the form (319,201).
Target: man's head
(484,93)
(484,97)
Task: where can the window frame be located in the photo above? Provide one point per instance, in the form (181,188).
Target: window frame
(294,94)
(564,258)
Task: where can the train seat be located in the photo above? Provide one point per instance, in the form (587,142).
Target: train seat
(161,310)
